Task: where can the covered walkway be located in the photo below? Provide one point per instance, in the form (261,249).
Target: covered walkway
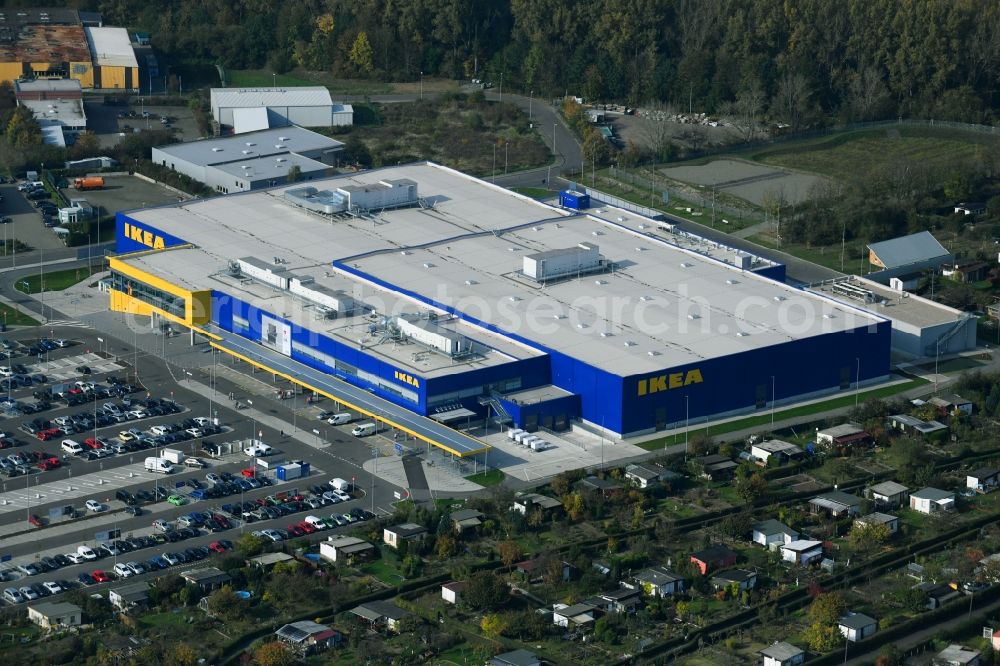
(358,399)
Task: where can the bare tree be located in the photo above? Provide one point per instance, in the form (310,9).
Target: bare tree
(868,93)
(793,99)
(744,114)
(658,130)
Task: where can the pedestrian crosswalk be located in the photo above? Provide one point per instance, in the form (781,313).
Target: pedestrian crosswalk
(67,322)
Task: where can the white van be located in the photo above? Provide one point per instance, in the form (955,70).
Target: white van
(87,553)
(258,449)
(161,465)
(71,447)
(363,429)
(340,484)
(340,419)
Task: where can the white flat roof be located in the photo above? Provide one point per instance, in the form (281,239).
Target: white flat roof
(206,268)
(280,96)
(111,47)
(56,111)
(270,167)
(896,305)
(660,307)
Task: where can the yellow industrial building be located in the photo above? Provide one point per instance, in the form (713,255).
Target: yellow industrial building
(63,44)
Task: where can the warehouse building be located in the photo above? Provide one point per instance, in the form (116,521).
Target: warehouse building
(250,109)
(65,44)
(251,161)
(415,292)
(57,105)
(115,65)
(43,43)
(920,327)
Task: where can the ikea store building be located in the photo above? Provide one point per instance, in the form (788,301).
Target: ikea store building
(422,296)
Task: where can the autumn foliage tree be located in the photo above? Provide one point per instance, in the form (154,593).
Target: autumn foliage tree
(273,653)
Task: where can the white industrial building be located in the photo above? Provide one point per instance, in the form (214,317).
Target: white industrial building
(251,161)
(56,104)
(250,109)
(920,327)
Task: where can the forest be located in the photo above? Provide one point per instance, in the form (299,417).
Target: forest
(805,61)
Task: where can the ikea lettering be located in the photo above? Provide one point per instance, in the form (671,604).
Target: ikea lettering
(143,237)
(674,380)
(407,379)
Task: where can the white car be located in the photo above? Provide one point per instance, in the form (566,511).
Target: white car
(202,420)
(193,462)
(258,450)
(122,571)
(171,559)
(75,558)
(95,506)
(28,593)
(272,535)
(87,553)
(136,568)
(161,525)
(137,414)
(342,496)
(195,432)
(159,430)
(53,587)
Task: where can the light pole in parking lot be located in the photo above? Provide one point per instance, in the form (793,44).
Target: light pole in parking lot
(253,417)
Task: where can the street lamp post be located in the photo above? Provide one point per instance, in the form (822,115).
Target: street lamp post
(857,381)
(253,416)
(421,85)
(772,401)
(531,95)
(506,145)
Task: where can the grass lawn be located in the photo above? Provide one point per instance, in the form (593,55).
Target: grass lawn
(824,255)
(491,477)
(678,207)
(953,365)
(781,414)
(677,509)
(13,317)
(842,154)
(164,620)
(384,571)
(57,280)
(534,192)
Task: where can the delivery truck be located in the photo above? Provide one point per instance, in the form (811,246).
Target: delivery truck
(89,183)
(175,456)
(161,465)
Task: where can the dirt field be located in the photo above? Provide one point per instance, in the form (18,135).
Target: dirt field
(748,181)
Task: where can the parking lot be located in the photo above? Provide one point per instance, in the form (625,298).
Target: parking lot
(26,223)
(122,193)
(105,500)
(110,126)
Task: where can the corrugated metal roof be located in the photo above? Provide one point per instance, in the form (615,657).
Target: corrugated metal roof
(246,97)
(907,250)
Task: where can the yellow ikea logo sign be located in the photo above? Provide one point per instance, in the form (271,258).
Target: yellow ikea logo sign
(407,379)
(143,237)
(674,380)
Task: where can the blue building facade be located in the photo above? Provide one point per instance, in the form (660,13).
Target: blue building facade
(635,404)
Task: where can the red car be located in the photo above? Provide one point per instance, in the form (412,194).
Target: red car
(216,547)
(49,463)
(297,498)
(93,443)
(248,472)
(5,443)
(76,390)
(295,530)
(44,435)
(306,527)
(100,577)
(35,520)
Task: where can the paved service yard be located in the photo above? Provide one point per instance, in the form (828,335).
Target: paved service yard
(124,193)
(26,225)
